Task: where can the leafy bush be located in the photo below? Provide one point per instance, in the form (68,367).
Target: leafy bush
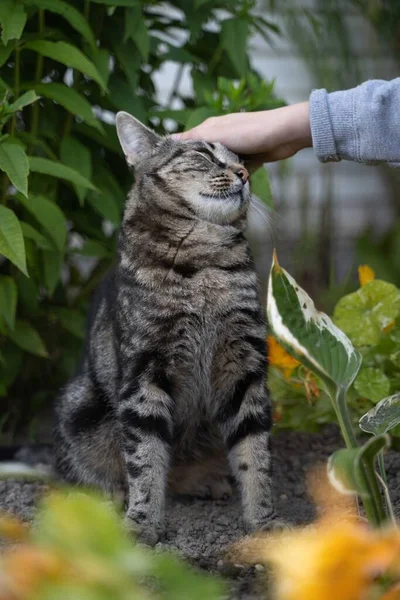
(66,67)
(78,549)
(370,317)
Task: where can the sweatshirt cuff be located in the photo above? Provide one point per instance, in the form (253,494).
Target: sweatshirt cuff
(333,130)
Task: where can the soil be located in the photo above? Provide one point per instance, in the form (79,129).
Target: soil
(202,531)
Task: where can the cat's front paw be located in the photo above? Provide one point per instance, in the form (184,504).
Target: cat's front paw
(144,533)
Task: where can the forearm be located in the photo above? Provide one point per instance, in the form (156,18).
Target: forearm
(361,124)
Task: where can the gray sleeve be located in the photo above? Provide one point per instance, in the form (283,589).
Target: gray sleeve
(361,124)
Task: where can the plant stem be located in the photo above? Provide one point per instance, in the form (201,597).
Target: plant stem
(38,77)
(372,503)
(17,71)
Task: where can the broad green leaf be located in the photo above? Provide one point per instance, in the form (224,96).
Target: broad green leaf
(11,239)
(234,39)
(72,321)
(12,20)
(68,55)
(50,216)
(372,383)
(31,233)
(71,14)
(52,264)
(308,334)
(76,155)
(109,204)
(383,417)
(55,169)
(28,339)
(260,186)
(198,115)
(363,314)
(70,99)
(13,363)
(8,300)
(109,141)
(136,30)
(14,162)
(344,466)
(28,98)
(5,52)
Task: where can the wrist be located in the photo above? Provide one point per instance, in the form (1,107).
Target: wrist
(298,129)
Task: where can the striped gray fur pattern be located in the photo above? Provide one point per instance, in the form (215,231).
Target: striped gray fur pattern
(173,378)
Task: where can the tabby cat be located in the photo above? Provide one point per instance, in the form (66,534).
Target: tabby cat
(174,369)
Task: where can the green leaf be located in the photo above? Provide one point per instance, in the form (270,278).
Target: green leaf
(12,19)
(234,39)
(260,186)
(14,162)
(8,300)
(52,264)
(308,334)
(50,216)
(372,383)
(363,314)
(5,52)
(68,55)
(28,98)
(54,169)
(31,233)
(72,321)
(70,99)
(71,14)
(11,239)
(198,115)
(27,338)
(383,417)
(344,466)
(136,30)
(76,155)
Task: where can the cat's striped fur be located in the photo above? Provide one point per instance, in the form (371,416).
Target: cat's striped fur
(175,362)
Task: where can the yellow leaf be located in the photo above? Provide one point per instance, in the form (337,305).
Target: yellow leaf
(365,274)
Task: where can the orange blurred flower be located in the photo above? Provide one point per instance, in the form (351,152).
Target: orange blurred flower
(332,561)
(365,274)
(11,528)
(278,357)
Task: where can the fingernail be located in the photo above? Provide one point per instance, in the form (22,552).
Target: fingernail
(176,136)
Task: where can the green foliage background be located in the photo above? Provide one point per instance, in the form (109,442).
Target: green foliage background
(65,69)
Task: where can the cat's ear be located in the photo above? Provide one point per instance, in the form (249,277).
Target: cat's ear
(136,139)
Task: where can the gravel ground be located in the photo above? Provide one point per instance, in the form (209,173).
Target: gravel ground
(202,531)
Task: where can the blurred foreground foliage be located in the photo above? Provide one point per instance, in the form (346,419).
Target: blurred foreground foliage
(370,317)
(66,68)
(78,549)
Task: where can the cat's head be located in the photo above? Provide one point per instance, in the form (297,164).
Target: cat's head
(208,178)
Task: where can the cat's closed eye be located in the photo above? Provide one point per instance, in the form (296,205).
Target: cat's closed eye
(211,156)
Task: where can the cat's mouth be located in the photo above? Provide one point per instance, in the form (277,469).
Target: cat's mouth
(228,194)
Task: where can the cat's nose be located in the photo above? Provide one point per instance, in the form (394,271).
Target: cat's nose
(242,173)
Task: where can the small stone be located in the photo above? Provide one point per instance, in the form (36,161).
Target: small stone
(237,566)
(283,497)
(259,567)
(220,564)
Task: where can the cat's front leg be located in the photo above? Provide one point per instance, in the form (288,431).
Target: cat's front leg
(245,422)
(145,420)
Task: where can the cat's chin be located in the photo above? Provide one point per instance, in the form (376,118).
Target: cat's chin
(219,209)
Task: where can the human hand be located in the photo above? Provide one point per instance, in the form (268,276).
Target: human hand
(263,136)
